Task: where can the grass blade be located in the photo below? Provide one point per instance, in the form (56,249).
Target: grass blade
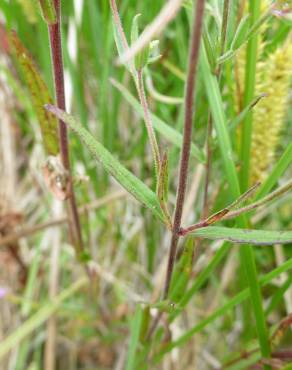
(134,339)
(277,172)
(246,254)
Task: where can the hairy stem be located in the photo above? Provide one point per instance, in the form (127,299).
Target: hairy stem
(148,122)
(57,62)
(187,135)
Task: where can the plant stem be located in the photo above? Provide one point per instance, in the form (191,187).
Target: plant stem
(187,135)
(148,121)
(57,62)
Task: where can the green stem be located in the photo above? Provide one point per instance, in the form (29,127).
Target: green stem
(148,121)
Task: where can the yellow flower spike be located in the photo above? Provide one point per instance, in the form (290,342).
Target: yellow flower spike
(269,114)
(272,78)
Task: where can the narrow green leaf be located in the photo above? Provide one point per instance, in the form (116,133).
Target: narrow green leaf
(279,295)
(146,319)
(141,58)
(135,28)
(241,33)
(246,254)
(238,119)
(226,56)
(278,170)
(39,93)
(220,123)
(39,318)
(211,54)
(244,236)
(258,24)
(164,129)
(121,41)
(134,338)
(129,181)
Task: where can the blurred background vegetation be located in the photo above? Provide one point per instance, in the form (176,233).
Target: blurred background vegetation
(92,327)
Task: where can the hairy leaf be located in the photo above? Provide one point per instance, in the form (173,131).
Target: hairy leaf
(129,181)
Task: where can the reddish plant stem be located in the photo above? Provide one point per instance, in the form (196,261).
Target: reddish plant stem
(58,71)
(187,135)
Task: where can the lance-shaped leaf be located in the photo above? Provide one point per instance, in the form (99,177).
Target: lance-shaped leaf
(141,58)
(129,181)
(241,33)
(39,93)
(120,38)
(211,53)
(244,236)
(240,117)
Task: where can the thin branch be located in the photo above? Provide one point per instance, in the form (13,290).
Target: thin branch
(278,192)
(57,62)
(227,213)
(187,135)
